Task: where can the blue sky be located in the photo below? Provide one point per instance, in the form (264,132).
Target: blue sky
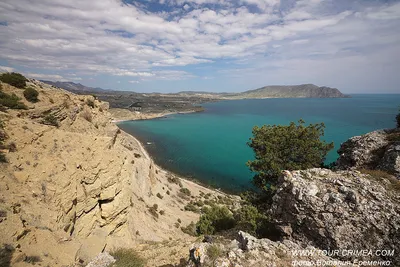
(204,45)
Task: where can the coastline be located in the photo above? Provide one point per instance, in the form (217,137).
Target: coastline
(137,116)
(193,183)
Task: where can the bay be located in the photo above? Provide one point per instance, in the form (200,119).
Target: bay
(211,146)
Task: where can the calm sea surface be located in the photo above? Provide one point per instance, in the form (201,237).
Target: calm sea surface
(211,146)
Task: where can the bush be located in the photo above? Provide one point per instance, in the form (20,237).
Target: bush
(190,229)
(14,79)
(191,207)
(11,101)
(50,119)
(185,191)
(293,147)
(215,219)
(127,258)
(153,210)
(249,219)
(31,95)
(90,103)
(159,196)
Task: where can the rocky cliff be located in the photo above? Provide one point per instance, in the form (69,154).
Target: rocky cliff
(71,191)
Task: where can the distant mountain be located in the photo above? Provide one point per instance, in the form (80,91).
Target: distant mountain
(76,87)
(289,91)
(273,91)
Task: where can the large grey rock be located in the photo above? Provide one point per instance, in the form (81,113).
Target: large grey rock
(342,210)
(362,151)
(374,150)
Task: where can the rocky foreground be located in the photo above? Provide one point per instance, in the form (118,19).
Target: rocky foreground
(76,187)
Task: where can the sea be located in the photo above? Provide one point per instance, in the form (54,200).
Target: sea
(211,146)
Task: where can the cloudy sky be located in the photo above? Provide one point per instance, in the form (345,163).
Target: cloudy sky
(209,45)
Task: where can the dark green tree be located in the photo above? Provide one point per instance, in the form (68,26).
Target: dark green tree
(281,147)
(14,79)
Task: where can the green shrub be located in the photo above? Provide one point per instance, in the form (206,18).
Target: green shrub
(215,219)
(185,191)
(174,180)
(11,101)
(127,258)
(31,95)
(14,79)
(159,196)
(50,119)
(249,219)
(191,207)
(292,147)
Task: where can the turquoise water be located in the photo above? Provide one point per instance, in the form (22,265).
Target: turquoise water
(211,146)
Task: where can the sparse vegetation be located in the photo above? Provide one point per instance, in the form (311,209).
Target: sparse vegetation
(127,258)
(153,210)
(31,95)
(214,252)
(32,259)
(378,175)
(3,137)
(174,180)
(159,196)
(87,115)
(191,207)
(90,103)
(10,101)
(50,119)
(14,79)
(185,191)
(190,229)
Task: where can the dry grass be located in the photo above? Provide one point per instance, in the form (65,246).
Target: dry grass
(127,258)
(87,115)
(382,176)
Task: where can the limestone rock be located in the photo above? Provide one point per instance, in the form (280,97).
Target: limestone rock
(350,211)
(102,260)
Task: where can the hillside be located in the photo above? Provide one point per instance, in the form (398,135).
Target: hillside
(291,91)
(74,184)
(75,87)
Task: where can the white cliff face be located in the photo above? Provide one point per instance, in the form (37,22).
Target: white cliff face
(85,182)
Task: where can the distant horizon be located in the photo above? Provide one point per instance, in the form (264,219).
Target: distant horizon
(225,92)
(204,45)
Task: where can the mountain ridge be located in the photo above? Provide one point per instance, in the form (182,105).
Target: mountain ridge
(276,91)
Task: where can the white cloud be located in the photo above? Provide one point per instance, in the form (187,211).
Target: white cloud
(113,38)
(52,77)
(6,69)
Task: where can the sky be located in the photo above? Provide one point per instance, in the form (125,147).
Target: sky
(204,45)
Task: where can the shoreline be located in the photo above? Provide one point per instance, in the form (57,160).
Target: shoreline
(188,180)
(150,116)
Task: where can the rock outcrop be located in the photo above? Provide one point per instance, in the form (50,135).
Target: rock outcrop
(248,251)
(342,210)
(375,150)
